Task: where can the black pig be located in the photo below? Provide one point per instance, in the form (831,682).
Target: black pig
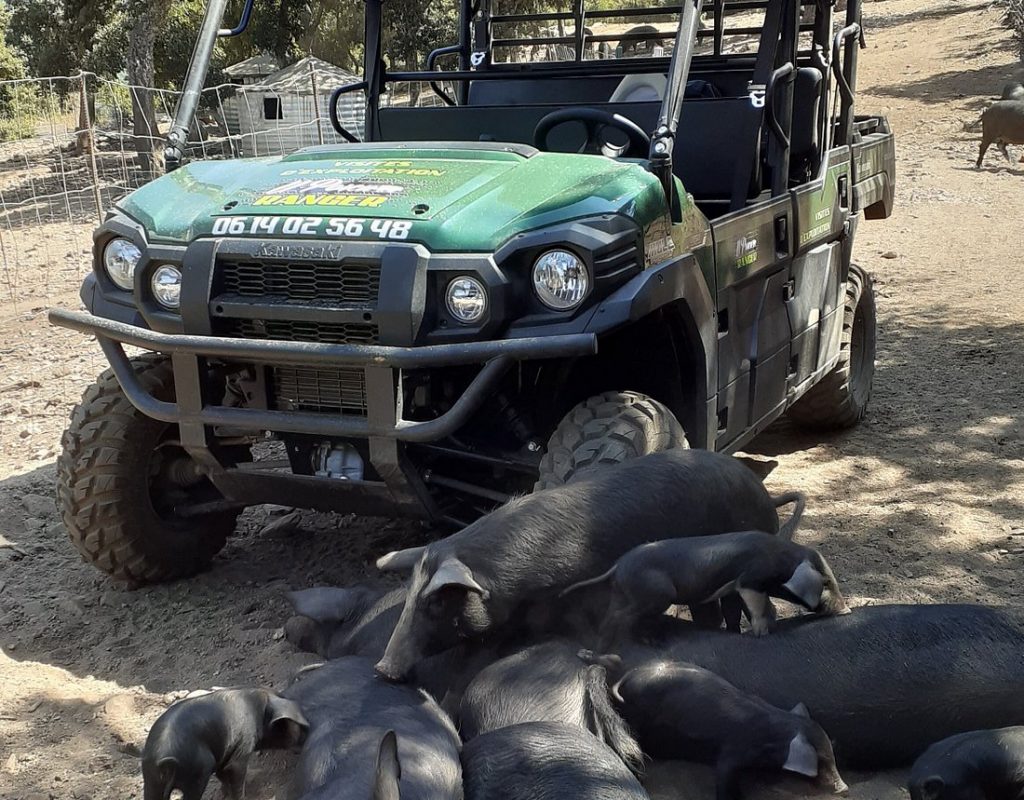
(347,755)
(215,734)
(680,710)
(335,622)
(699,569)
(980,765)
(884,681)
(545,761)
(473,582)
(546,683)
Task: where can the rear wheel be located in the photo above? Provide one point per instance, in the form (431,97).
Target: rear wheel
(840,399)
(133,502)
(608,429)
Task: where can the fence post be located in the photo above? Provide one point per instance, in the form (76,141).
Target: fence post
(91,139)
(316,103)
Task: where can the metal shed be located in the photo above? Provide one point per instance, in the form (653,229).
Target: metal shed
(282,113)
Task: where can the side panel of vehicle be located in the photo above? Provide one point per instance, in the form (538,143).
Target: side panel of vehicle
(752,251)
(822,218)
(874,170)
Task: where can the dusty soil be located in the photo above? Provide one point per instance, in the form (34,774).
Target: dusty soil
(923,502)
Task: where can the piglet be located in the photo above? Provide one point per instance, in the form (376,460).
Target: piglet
(215,734)
(980,765)
(680,710)
(352,621)
(702,569)
(545,761)
(547,683)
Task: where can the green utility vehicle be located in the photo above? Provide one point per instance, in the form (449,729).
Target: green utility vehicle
(645,244)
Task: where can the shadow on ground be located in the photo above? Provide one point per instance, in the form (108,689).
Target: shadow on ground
(947,421)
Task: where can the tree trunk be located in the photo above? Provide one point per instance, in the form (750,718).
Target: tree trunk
(150,17)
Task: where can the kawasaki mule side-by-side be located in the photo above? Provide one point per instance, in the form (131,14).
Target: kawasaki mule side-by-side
(642,242)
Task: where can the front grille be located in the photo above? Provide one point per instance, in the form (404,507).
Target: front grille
(339,391)
(347,282)
(300,331)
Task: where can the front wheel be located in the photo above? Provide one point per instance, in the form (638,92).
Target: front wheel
(840,399)
(133,502)
(608,429)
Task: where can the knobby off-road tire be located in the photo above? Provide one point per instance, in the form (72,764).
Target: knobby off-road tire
(608,429)
(841,398)
(105,486)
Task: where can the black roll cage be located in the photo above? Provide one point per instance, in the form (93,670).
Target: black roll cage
(775,65)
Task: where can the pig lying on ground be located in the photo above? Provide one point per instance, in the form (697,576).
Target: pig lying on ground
(884,681)
(335,622)
(545,761)
(1002,124)
(353,715)
(546,683)
(473,582)
(700,569)
(215,734)
(680,710)
(981,765)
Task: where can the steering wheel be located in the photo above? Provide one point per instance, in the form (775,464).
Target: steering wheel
(594,121)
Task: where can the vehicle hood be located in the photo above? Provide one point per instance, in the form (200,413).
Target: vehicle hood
(452,199)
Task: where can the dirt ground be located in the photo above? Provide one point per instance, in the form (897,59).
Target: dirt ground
(923,502)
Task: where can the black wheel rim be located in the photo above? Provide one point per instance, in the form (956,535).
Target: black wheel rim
(177,492)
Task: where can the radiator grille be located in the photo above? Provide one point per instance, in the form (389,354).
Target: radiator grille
(301,331)
(348,282)
(339,391)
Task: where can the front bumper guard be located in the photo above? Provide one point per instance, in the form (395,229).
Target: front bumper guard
(497,356)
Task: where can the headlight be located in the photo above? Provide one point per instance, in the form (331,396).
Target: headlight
(560,279)
(120,258)
(466,299)
(166,285)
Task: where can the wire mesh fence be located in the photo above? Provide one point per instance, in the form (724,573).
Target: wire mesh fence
(71,146)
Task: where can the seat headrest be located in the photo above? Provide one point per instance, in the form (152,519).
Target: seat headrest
(640,88)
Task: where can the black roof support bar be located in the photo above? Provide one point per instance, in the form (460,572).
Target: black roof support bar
(174,150)
(663,139)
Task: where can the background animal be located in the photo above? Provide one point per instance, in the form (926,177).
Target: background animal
(1001,124)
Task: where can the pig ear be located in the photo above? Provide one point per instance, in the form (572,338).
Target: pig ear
(802,758)
(452,572)
(284,723)
(806,584)
(801,711)
(389,770)
(400,560)
(932,786)
(168,766)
